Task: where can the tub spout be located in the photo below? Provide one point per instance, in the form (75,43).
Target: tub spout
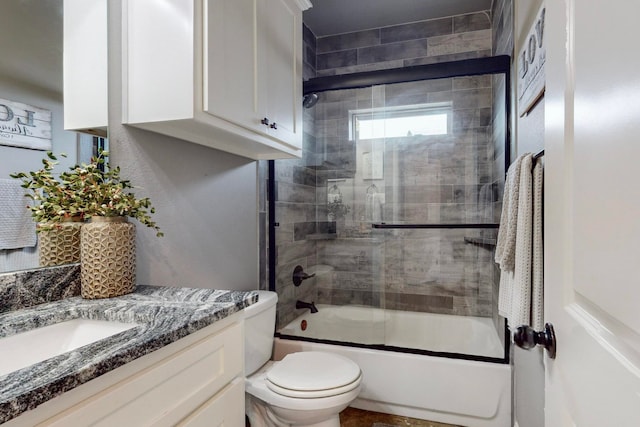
(310,305)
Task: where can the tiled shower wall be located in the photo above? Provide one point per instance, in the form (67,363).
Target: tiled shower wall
(425,42)
(295,198)
(426,179)
(404,263)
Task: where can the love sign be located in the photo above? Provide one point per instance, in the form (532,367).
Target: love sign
(24,126)
(531,59)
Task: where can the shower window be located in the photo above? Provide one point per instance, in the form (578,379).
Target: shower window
(393,211)
(409,120)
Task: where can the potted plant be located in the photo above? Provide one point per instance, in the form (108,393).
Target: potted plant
(55,213)
(107,240)
(104,200)
(94,192)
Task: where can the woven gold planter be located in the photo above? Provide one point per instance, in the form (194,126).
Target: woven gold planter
(108,257)
(60,245)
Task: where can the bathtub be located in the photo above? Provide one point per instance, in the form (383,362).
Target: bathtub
(447,387)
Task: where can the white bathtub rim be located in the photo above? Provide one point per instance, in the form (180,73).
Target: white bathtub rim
(439,344)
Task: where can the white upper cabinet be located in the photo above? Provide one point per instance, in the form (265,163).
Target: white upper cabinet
(222,73)
(85,66)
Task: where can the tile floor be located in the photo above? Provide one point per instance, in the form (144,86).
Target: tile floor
(352,417)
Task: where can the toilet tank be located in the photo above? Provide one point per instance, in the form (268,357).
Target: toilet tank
(259,326)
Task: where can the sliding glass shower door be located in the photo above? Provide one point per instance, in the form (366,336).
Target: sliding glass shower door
(394,208)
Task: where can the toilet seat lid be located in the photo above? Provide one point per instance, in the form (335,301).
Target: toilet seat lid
(312,371)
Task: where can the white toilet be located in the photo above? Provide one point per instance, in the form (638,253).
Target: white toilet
(303,389)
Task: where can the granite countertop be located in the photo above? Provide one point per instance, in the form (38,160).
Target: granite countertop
(164,315)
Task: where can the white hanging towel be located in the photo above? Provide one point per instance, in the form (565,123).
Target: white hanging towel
(17,228)
(537,289)
(506,245)
(514,301)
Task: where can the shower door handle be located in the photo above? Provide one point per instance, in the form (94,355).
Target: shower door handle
(526,337)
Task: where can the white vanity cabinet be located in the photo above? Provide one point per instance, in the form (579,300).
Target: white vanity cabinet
(222,73)
(195,381)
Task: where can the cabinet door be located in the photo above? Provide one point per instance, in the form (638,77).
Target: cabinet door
(224,409)
(166,392)
(280,30)
(230,75)
(85,66)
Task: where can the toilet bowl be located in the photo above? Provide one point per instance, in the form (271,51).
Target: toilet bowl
(303,389)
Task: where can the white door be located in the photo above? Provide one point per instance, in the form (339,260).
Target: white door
(592,212)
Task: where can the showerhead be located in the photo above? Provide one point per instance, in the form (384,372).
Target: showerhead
(310,100)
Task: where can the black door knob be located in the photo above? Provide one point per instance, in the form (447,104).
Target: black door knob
(265,121)
(527,338)
(273,125)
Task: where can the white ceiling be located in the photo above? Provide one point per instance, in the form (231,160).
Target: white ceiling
(328,17)
(31,30)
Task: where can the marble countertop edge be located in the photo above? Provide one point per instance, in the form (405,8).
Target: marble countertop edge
(164,315)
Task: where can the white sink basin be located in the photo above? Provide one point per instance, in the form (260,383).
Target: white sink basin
(26,348)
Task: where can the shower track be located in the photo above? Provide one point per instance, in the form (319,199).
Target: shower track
(416,226)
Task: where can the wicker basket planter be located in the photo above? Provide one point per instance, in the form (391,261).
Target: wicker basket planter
(108,257)
(59,245)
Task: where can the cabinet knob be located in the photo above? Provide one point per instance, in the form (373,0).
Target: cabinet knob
(265,122)
(273,125)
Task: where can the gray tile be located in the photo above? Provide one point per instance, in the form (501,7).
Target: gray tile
(471,118)
(355,281)
(326,227)
(262,248)
(416,30)
(472,98)
(420,303)
(294,212)
(457,43)
(308,37)
(447,58)
(293,252)
(284,233)
(386,65)
(342,58)
(349,297)
(472,82)
(310,56)
(304,176)
(348,41)
(308,72)
(295,193)
(393,51)
(423,86)
(302,229)
(471,22)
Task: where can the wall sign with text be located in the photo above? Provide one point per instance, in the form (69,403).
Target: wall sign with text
(24,126)
(531,59)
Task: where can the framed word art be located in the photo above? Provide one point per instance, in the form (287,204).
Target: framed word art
(24,126)
(531,60)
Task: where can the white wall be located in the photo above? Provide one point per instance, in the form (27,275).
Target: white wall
(206,200)
(528,365)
